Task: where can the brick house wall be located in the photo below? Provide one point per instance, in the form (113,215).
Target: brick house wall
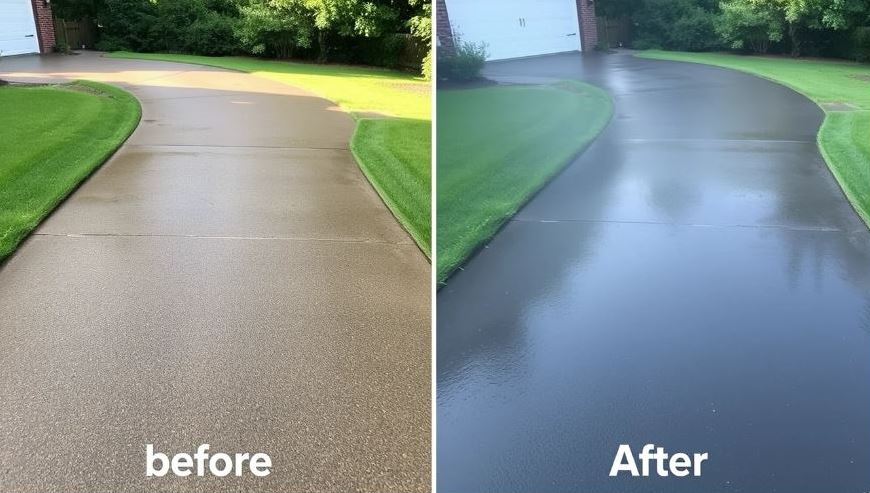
(442,26)
(44,25)
(588,24)
(585,13)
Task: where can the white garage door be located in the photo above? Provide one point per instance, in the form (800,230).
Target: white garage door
(517,28)
(17,28)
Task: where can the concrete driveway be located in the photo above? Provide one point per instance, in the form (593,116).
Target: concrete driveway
(228,277)
(696,279)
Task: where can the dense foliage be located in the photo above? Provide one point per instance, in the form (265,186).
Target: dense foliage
(837,28)
(391,33)
(462,63)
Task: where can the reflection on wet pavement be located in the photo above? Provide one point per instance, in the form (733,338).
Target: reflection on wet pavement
(696,279)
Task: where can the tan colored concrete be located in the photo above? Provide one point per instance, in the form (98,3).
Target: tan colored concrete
(229,277)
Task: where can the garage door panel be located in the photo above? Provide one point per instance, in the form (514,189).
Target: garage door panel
(495,23)
(517,28)
(17,28)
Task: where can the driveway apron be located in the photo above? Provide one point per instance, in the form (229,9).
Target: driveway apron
(695,279)
(229,277)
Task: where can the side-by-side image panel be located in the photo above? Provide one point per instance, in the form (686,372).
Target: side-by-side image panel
(215,246)
(653,271)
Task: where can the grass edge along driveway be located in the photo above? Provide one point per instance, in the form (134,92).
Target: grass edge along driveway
(393,151)
(497,147)
(844,137)
(69,131)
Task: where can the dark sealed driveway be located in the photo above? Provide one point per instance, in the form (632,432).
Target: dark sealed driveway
(228,277)
(696,279)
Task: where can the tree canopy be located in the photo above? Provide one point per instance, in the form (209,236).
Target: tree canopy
(799,27)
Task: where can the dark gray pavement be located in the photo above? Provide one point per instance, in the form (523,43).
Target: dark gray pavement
(228,277)
(696,279)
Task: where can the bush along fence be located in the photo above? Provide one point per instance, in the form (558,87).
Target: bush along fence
(793,27)
(388,34)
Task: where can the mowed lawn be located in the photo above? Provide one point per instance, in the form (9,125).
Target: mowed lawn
(51,138)
(392,141)
(499,145)
(844,138)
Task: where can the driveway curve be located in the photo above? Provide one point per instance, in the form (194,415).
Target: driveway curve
(228,277)
(696,279)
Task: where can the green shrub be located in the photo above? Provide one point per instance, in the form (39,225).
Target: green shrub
(265,30)
(360,31)
(202,27)
(750,25)
(464,63)
(426,69)
(211,34)
(683,25)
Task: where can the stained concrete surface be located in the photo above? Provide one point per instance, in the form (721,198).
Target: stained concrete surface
(696,279)
(228,277)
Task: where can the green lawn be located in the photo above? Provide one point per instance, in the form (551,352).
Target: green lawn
(497,146)
(844,138)
(390,150)
(51,138)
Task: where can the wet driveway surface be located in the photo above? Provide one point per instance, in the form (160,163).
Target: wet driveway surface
(696,279)
(229,277)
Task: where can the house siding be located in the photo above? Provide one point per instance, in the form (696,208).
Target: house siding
(44,25)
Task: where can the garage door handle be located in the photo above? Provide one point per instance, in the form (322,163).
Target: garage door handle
(572,34)
(29,35)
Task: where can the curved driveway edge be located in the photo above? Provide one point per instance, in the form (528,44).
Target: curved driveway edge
(696,279)
(228,277)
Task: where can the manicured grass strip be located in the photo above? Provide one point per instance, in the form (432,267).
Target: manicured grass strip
(356,89)
(844,138)
(395,156)
(389,151)
(497,146)
(51,138)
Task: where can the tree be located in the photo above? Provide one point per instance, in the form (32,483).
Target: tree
(276,28)
(757,23)
(345,18)
(421,28)
(817,14)
(750,24)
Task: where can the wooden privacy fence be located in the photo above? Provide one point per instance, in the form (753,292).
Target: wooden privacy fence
(412,52)
(614,33)
(76,35)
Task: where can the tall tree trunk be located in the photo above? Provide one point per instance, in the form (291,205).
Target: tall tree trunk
(795,39)
(321,42)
